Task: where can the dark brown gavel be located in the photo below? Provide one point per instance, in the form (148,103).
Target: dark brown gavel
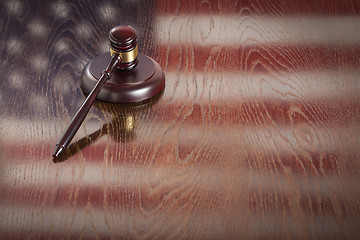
(124,58)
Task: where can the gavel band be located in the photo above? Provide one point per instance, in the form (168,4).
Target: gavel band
(127,56)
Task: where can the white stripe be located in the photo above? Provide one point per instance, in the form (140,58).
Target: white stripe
(243,86)
(104,175)
(234,30)
(101,174)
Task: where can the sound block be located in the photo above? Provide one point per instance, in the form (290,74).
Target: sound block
(142,82)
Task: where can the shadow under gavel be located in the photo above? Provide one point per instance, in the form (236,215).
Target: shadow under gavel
(122,127)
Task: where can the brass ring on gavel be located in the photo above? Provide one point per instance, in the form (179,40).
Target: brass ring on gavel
(127,56)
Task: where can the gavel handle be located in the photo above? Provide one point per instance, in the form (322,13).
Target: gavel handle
(80,115)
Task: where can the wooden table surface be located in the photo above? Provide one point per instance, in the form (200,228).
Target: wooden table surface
(255,136)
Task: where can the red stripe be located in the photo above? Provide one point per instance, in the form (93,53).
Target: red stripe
(248,7)
(278,202)
(146,155)
(324,112)
(162,198)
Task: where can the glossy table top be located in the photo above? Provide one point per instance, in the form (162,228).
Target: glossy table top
(256,135)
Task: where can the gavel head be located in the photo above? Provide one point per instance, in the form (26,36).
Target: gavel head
(123,42)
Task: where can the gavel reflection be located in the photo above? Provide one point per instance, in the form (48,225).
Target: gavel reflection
(128,77)
(121,128)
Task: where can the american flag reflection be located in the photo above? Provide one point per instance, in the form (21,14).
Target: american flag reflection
(256,134)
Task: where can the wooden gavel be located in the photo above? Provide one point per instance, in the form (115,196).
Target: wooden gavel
(128,77)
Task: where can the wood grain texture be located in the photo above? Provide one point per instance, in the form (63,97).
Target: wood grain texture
(256,135)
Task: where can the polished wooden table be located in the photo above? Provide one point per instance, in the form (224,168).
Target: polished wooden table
(255,136)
